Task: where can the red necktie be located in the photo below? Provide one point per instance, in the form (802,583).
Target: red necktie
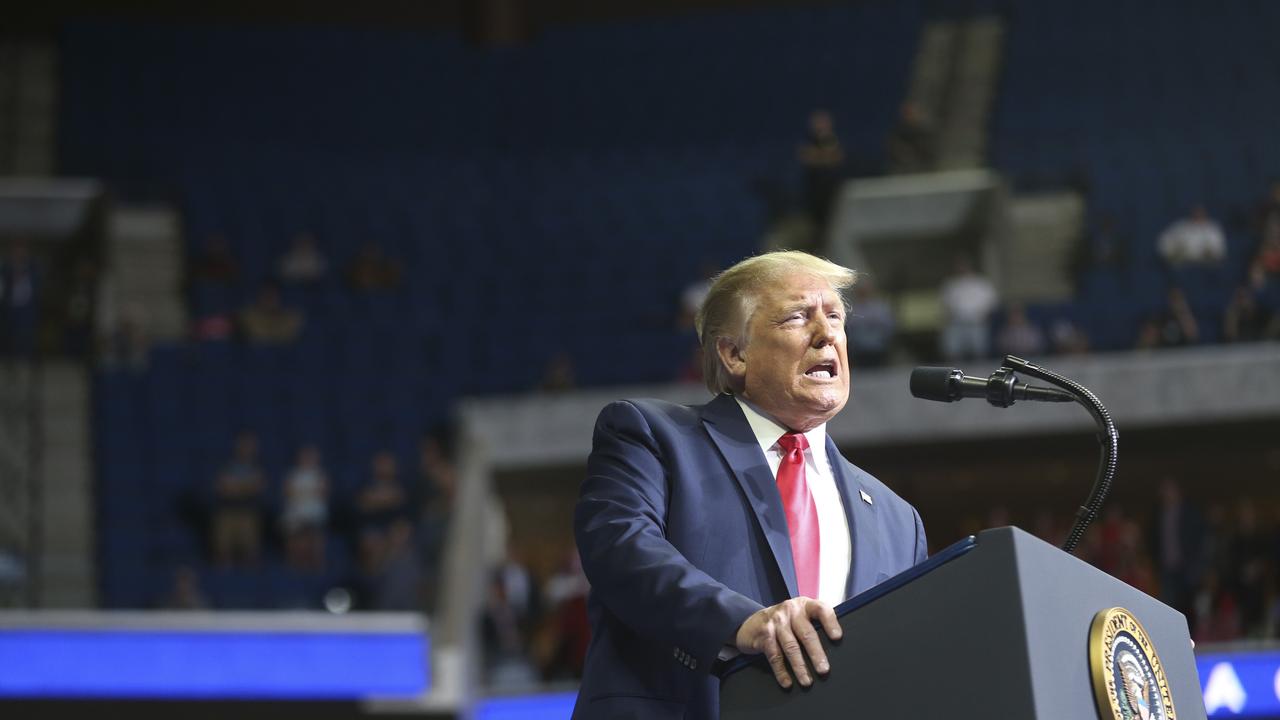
(802,513)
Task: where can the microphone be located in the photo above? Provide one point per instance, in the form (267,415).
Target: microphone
(1002,389)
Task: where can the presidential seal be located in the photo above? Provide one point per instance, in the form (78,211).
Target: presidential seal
(1128,679)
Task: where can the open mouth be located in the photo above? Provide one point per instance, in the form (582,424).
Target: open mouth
(822,371)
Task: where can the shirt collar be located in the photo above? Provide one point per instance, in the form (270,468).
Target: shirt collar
(768,431)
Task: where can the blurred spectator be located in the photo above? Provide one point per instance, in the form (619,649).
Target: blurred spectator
(870,326)
(438,460)
(1132,564)
(238,493)
(1269,255)
(216,264)
(968,298)
(1103,247)
(822,158)
(1251,561)
(1268,218)
(1177,543)
(399,585)
(1173,326)
(381,502)
(1246,320)
(439,481)
(509,612)
(1108,248)
(81,298)
(1019,336)
(1068,338)
(562,647)
(1215,616)
(19,293)
(214,327)
(185,594)
(306,511)
(912,144)
(559,375)
(1195,239)
(373,270)
(303,263)
(127,345)
(267,322)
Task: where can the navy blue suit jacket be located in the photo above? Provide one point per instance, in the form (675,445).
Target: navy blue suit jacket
(683,536)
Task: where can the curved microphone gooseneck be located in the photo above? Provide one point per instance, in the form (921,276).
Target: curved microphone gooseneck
(1108,440)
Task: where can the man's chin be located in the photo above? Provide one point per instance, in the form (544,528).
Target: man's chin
(827,405)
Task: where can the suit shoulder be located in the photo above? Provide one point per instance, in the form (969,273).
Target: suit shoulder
(656,413)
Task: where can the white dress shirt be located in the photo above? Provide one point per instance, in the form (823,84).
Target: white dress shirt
(833,526)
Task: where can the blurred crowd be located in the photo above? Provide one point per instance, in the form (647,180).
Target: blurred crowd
(380,544)
(1216,562)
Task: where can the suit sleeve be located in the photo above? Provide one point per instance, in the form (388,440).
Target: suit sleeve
(619,525)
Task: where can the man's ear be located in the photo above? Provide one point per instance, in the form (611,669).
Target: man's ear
(733,357)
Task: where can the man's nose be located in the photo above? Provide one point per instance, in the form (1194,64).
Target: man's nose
(824,334)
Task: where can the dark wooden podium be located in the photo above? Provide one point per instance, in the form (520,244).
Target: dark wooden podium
(997,626)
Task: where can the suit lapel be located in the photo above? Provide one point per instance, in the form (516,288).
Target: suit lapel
(730,432)
(864,524)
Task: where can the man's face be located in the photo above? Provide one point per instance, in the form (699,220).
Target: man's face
(795,366)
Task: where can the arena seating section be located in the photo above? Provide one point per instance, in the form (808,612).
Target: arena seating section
(1152,110)
(558,196)
(554,197)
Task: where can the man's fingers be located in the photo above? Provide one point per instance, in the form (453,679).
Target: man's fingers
(808,636)
(791,649)
(827,616)
(774,654)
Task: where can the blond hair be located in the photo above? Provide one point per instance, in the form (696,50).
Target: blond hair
(732,299)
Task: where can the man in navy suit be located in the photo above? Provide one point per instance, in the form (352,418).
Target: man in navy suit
(735,525)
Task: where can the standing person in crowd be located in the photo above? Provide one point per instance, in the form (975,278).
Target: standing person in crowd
(306,511)
(968,299)
(1174,326)
(681,571)
(913,142)
(822,158)
(871,326)
(1177,543)
(19,292)
(1268,216)
(238,495)
(380,503)
(1019,336)
(1246,320)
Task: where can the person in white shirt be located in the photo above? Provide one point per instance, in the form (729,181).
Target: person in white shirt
(1195,239)
(968,299)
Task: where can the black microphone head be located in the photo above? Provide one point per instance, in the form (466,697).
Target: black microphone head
(933,383)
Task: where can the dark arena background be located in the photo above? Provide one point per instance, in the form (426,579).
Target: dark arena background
(307,309)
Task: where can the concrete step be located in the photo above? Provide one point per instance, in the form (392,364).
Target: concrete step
(1045,230)
(143,223)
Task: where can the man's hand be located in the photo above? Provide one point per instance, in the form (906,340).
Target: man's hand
(782,630)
